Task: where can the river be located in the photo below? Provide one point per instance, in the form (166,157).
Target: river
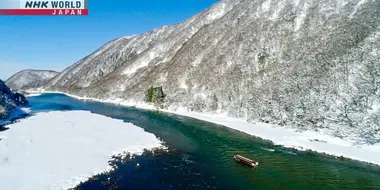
(200,156)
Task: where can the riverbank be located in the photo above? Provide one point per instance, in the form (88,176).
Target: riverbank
(285,136)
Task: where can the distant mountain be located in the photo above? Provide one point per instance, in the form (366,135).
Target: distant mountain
(9,100)
(29,78)
(311,64)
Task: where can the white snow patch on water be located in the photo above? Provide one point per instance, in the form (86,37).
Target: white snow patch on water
(33,94)
(58,150)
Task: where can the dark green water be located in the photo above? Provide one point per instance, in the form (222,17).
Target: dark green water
(201,154)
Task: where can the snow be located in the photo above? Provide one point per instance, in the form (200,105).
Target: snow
(200,95)
(279,7)
(266,5)
(288,137)
(26,77)
(198,60)
(375,107)
(33,94)
(296,2)
(58,150)
(217,12)
(301,16)
(143,61)
(357,7)
(183,84)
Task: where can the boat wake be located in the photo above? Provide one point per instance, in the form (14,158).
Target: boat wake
(288,152)
(268,149)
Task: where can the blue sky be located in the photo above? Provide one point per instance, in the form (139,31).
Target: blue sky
(47,42)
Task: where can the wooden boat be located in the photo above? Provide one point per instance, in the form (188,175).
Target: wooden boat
(245,161)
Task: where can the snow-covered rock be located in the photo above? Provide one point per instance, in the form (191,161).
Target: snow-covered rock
(9,100)
(29,78)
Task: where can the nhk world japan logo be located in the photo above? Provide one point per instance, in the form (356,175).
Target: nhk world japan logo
(44,7)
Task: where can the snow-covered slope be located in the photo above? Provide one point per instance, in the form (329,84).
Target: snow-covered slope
(28,78)
(9,100)
(126,55)
(311,64)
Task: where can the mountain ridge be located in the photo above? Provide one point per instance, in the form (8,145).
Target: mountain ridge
(306,64)
(29,78)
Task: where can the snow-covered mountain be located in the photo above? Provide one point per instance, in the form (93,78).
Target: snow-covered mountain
(29,78)
(312,64)
(9,100)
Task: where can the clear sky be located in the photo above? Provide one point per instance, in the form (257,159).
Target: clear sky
(47,42)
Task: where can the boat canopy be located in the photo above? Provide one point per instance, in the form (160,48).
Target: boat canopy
(244,158)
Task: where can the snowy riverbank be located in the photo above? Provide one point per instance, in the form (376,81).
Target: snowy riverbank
(288,137)
(58,150)
(33,94)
